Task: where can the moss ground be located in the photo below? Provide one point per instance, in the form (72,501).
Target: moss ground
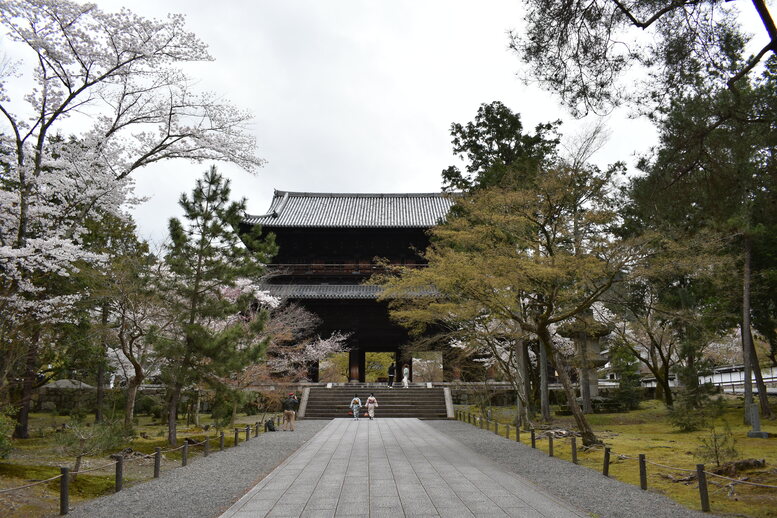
(39,458)
(648,431)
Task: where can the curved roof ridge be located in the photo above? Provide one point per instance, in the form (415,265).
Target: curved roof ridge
(278,192)
(355,210)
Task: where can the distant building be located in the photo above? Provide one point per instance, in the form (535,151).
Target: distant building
(328,243)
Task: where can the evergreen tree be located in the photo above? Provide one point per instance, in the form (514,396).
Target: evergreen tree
(210,292)
(496,148)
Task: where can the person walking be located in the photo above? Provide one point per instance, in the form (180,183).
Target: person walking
(405,376)
(372,404)
(290,406)
(391,374)
(356,406)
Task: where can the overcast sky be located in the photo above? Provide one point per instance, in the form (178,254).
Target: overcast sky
(354,96)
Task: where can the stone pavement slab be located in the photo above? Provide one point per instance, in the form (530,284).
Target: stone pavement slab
(393,467)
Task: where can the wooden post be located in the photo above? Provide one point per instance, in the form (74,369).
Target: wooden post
(256,429)
(496,427)
(507,431)
(574,450)
(533,439)
(237,436)
(550,445)
(518,433)
(119,473)
(206,447)
(606,466)
(642,472)
(185,453)
(702,478)
(157,461)
(221,441)
(64,497)
(248,432)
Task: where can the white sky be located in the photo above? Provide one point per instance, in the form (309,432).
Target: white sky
(352,95)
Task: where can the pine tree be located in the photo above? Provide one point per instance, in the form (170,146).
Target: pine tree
(211,292)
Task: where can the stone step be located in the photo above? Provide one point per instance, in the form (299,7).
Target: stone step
(419,401)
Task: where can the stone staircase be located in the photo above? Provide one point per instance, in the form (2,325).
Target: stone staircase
(415,401)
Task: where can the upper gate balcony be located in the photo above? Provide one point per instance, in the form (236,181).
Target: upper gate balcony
(336,270)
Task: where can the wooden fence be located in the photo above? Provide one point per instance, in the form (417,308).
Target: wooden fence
(118,461)
(642,461)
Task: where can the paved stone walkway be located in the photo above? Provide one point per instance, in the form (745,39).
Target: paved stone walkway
(393,468)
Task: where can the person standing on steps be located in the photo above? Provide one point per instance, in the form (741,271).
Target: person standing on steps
(372,404)
(290,406)
(405,375)
(356,406)
(391,374)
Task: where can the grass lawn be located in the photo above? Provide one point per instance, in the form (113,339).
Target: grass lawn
(648,431)
(39,458)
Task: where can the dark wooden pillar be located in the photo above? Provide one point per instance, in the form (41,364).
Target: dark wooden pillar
(355,365)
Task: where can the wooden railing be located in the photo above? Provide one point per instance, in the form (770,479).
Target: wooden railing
(336,269)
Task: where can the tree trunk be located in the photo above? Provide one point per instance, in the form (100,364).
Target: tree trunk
(585,372)
(521,395)
(530,399)
(98,413)
(586,433)
(76,468)
(233,417)
(22,430)
(659,394)
(747,346)
(667,391)
(763,396)
(197,409)
(129,406)
(172,415)
(544,394)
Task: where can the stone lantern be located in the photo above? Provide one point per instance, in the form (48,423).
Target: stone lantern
(586,333)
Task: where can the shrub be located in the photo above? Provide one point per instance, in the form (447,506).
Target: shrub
(628,394)
(48,406)
(718,447)
(221,412)
(81,439)
(6,431)
(145,404)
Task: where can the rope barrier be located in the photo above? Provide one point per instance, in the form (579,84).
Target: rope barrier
(675,468)
(741,481)
(712,474)
(8,490)
(143,457)
(93,469)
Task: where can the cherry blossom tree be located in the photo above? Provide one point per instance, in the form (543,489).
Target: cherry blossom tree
(105,97)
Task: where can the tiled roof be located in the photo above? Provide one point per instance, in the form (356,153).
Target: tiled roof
(305,209)
(335,291)
(323,291)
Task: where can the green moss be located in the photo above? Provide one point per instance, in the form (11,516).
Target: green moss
(27,472)
(649,431)
(85,486)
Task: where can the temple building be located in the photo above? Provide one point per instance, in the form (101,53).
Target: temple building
(328,243)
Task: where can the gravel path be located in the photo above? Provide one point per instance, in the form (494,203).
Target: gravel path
(583,487)
(207,486)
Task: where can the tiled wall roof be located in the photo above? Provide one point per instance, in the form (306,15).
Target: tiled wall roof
(302,209)
(323,291)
